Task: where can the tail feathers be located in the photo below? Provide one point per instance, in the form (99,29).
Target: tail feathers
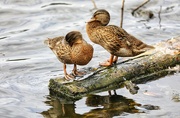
(144,46)
(142,49)
(46,41)
(148,47)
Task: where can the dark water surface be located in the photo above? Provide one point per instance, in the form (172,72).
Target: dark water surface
(26,64)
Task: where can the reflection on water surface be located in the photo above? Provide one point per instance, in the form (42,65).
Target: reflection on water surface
(103,107)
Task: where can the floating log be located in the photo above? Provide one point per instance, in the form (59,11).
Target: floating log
(148,66)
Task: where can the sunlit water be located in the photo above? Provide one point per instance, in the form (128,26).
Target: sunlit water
(26,64)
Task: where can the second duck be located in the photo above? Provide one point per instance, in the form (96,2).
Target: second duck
(114,39)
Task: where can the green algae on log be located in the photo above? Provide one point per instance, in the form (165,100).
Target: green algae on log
(148,66)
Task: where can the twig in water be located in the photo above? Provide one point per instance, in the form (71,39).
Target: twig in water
(159,16)
(95,7)
(122,13)
(145,2)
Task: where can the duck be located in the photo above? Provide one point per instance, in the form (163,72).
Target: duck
(112,38)
(71,49)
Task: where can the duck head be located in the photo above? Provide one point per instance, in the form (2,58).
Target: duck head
(102,16)
(73,37)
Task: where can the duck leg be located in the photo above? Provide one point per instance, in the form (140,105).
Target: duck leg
(108,62)
(67,76)
(111,94)
(77,73)
(115,59)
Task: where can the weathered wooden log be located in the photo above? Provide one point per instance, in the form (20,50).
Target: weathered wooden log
(148,66)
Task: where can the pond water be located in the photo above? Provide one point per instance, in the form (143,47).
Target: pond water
(27,65)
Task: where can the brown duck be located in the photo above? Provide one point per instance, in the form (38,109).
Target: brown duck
(113,38)
(71,49)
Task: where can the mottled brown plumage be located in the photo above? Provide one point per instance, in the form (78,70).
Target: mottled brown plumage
(112,38)
(71,49)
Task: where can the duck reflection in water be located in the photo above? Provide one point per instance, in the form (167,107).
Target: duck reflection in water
(109,106)
(104,107)
(60,109)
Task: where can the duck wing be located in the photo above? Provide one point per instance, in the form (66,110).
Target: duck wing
(132,41)
(118,42)
(110,38)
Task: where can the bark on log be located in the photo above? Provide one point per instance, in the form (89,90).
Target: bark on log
(146,67)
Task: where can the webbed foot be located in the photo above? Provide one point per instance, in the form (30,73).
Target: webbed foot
(106,63)
(78,73)
(69,77)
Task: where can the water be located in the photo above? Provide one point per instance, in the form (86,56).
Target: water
(26,64)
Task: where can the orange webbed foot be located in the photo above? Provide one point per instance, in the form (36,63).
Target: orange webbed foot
(68,77)
(78,73)
(106,64)
(110,61)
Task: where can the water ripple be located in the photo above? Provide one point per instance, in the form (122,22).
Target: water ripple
(52,4)
(18,59)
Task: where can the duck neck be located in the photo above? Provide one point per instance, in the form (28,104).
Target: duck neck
(91,28)
(93,24)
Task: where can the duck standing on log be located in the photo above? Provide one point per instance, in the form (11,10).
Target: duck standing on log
(71,49)
(114,39)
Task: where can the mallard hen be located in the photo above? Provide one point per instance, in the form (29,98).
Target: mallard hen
(114,39)
(71,49)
